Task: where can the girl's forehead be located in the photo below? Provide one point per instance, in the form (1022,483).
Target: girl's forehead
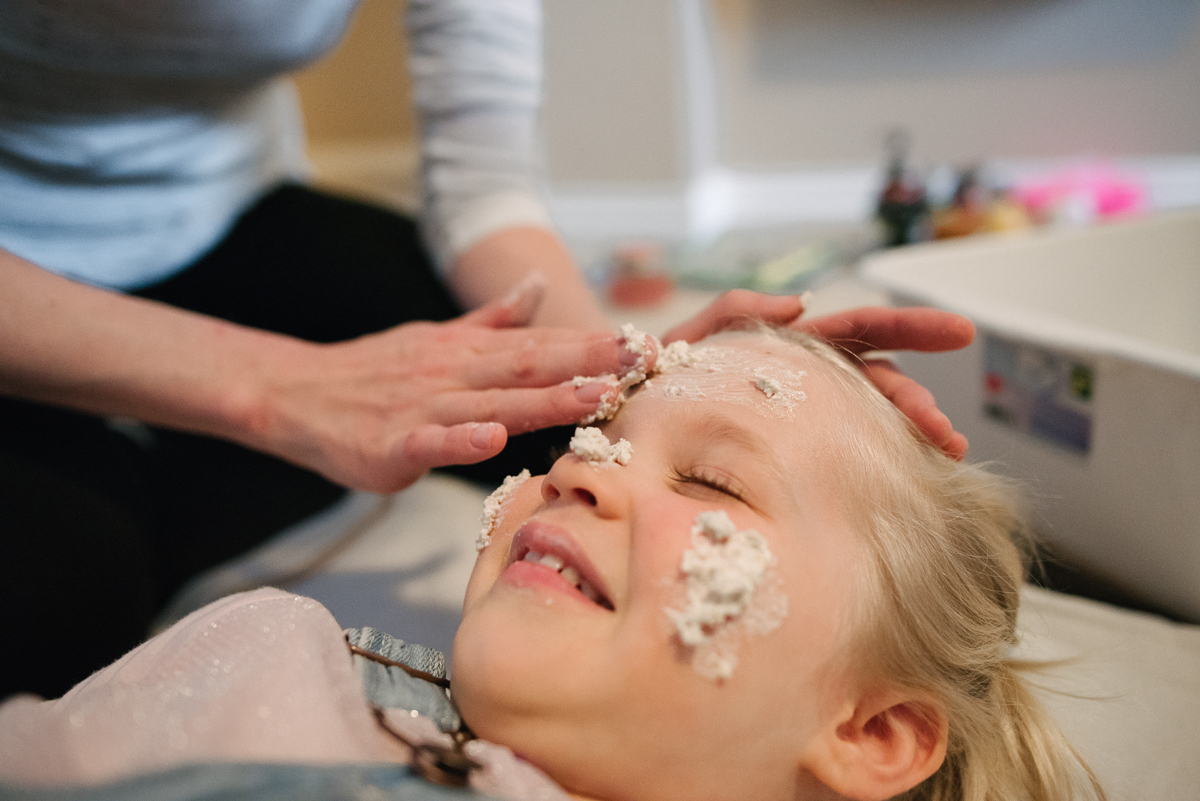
(757,372)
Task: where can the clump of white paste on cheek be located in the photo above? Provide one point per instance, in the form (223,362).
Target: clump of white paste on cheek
(636,342)
(494,505)
(725,569)
(593,447)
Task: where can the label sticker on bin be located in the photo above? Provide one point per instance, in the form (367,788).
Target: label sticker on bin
(1044,393)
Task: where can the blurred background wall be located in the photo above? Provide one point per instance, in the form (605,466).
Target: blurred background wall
(811,81)
(677,116)
(358,110)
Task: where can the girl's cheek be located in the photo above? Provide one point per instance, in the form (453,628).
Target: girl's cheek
(513,511)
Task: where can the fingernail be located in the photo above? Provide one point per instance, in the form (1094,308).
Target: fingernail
(593,392)
(533,283)
(629,355)
(805,299)
(481,435)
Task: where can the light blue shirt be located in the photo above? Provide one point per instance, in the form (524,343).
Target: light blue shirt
(133,133)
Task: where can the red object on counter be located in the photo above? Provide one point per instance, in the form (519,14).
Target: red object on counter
(638,277)
(640,290)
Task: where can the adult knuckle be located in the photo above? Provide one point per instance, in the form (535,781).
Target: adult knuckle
(487,405)
(525,363)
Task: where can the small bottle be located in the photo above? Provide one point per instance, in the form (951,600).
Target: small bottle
(903,209)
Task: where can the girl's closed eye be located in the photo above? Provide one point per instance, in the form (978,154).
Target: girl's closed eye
(705,480)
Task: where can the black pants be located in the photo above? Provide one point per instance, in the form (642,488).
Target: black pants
(99,524)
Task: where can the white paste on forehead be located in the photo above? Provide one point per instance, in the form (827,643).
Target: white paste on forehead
(715,372)
(593,447)
(763,381)
(769,386)
(678,354)
(494,506)
(729,582)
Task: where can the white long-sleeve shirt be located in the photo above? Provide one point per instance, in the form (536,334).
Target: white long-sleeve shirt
(133,133)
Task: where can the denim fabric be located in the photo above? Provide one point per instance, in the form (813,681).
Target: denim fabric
(392,688)
(251,782)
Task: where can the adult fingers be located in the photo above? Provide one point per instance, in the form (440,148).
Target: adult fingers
(521,410)
(514,310)
(455,336)
(956,448)
(882,328)
(917,404)
(540,365)
(735,305)
(431,445)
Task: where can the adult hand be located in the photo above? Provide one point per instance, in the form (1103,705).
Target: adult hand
(857,332)
(373,413)
(379,411)
(871,328)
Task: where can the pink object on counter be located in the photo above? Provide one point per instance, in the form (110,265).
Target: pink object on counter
(1082,192)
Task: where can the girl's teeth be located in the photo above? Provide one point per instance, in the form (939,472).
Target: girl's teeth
(589,592)
(533,556)
(571,575)
(553,562)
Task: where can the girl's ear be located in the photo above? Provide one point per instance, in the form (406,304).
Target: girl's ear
(885,744)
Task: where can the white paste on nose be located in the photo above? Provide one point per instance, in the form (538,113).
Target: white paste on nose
(593,447)
(725,569)
(494,505)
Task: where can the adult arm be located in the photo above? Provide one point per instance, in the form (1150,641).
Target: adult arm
(477,77)
(373,413)
(491,266)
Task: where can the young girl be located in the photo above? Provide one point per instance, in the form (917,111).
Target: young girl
(756,582)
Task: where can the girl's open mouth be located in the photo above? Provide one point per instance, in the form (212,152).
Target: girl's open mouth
(540,547)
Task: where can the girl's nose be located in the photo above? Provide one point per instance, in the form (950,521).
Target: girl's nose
(574,481)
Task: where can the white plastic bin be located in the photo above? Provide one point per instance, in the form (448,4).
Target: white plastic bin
(1084,381)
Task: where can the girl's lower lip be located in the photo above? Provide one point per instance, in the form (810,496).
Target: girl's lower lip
(531,575)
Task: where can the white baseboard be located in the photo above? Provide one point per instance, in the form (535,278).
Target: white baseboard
(722,199)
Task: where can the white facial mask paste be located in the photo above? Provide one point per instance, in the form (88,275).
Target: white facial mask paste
(729,581)
(733,375)
(769,386)
(593,447)
(672,357)
(636,342)
(494,505)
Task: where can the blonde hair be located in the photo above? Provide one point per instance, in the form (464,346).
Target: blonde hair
(937,607)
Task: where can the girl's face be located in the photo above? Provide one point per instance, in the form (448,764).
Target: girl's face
(600,691)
